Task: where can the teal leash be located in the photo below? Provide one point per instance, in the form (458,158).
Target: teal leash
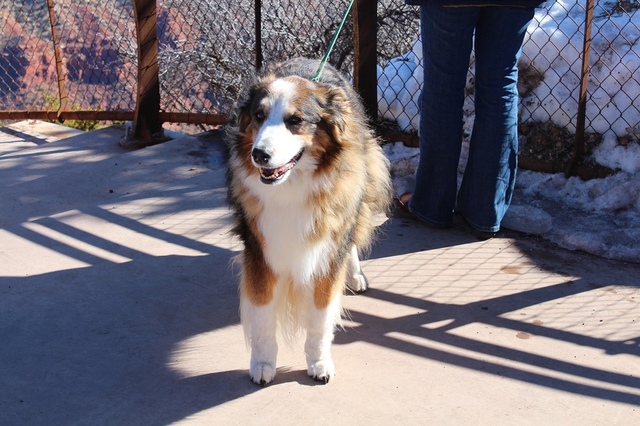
(325,58)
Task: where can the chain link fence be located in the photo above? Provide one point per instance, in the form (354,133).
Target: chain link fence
(97,43)
(208,49)
(83,56)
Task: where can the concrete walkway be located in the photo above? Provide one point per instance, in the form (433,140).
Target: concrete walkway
(118,306)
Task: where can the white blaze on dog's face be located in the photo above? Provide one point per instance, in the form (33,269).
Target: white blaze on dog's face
(285,117)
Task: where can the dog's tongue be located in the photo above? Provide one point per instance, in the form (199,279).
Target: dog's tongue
(274,173)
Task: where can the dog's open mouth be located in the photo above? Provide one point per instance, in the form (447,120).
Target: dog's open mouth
(271,176)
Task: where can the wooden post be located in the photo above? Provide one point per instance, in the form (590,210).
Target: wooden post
(365,78)
(147,129)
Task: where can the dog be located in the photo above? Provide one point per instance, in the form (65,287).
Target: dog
(306,177)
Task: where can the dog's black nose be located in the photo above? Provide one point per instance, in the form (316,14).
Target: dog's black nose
(260,157)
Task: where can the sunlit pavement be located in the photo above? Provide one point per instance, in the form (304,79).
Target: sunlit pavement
(119,306)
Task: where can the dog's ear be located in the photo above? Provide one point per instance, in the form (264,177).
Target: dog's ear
(336,111)
(243,115)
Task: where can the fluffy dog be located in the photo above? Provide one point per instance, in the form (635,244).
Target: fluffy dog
(306,177)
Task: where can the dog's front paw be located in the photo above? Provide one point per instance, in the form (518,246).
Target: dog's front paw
(262,373)
(357,282)
(322,370)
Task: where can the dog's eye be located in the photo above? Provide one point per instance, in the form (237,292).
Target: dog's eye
(294,120)
(259,116)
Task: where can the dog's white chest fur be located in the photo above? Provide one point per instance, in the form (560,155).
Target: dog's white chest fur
(287,222)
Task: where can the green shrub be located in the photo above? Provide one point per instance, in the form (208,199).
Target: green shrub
(52,103)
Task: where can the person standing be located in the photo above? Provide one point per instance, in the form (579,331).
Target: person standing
(450,29)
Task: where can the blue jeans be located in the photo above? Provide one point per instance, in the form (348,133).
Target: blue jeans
(489,177)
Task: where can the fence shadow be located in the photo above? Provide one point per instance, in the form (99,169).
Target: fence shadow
(98,289)
(580,285)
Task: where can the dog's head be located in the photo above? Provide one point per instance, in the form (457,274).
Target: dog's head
(291,123)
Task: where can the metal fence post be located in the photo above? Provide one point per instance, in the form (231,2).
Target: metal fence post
(365,79)
(62,92)
(258,32)
(578,149)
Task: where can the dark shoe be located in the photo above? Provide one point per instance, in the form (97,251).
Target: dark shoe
(480,235)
